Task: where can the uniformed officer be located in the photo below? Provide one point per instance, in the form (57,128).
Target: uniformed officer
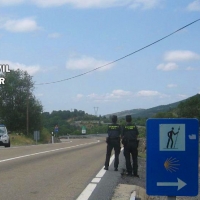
(113,141)
(130,142)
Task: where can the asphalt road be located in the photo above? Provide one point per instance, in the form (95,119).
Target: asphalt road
(57,171)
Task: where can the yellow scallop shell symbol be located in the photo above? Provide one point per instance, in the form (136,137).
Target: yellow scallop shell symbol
(171,164)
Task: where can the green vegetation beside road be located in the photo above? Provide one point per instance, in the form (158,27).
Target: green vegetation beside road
(142,131)
(19,139)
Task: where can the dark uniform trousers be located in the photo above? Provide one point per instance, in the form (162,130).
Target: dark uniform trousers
(113,143)
(131,151)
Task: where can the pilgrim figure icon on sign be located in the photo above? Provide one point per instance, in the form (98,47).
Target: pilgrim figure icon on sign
(172,137)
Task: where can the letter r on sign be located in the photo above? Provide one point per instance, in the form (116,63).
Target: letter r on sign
(2,81)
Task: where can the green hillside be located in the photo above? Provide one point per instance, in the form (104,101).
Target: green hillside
(146,113)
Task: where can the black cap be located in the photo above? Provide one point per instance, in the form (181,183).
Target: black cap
(114,118)
(128,118)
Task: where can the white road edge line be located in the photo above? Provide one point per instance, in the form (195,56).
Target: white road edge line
(96,180)
(43,152)
(88,190)
(103,171)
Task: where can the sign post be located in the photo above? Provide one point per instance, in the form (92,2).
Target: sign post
(36,136)
(172,157)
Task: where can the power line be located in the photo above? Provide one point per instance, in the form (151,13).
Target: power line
(121,57)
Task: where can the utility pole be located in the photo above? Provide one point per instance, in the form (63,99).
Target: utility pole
(27,117)
(27,111)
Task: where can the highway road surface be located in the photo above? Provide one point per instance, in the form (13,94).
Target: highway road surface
(59,171)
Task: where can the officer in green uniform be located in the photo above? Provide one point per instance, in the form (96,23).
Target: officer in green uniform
(130,142)
(113,141)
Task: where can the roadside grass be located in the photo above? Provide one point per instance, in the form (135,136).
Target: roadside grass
(141,155)
(142,131)
(20,140)
(17,139)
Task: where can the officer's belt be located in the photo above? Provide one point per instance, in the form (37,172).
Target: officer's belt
(115,138)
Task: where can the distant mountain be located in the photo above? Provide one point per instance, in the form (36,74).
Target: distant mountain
(143,113)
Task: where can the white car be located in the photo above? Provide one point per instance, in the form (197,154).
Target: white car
(4,137)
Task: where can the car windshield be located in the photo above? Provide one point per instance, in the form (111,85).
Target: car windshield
(2,130)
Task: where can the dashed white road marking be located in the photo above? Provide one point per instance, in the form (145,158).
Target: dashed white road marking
(96,180)
(43,152)
(87,192)
(91,186)
(101,173)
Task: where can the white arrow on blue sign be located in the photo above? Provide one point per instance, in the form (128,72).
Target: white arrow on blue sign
(172,157)
(179,183)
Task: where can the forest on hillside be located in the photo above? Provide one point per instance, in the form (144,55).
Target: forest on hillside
(190,108)
(72,122)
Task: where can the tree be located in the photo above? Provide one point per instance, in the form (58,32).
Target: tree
(19,109)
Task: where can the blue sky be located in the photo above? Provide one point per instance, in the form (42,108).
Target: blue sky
(59,39)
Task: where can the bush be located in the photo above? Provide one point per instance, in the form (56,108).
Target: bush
(45,136)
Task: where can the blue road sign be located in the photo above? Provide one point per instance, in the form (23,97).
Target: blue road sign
(56,129)
(172,157)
